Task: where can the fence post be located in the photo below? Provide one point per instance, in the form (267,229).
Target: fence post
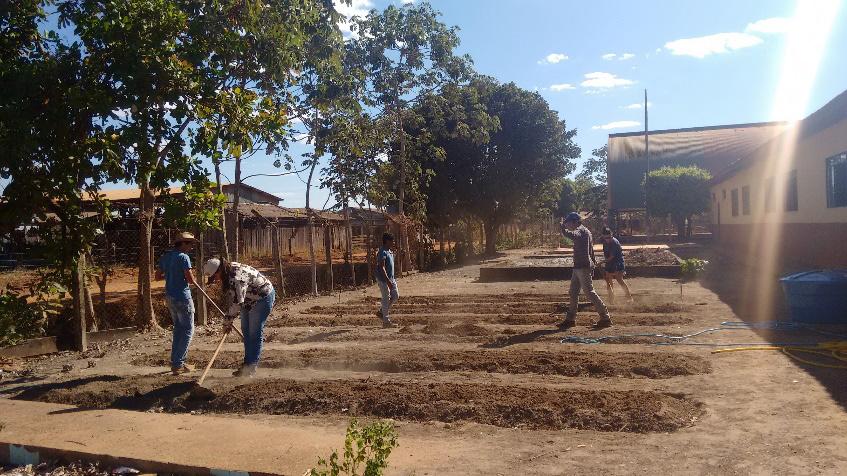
(328,248)
(202,316)
(277,259)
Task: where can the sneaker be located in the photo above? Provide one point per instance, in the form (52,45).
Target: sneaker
(379,315)
(387,324)
(184,369)
(567,323)
(603,322)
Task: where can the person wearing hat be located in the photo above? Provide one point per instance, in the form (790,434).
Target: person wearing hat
(175,268)
(249,293)
(583,270)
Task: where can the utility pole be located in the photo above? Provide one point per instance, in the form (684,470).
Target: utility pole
(647,173)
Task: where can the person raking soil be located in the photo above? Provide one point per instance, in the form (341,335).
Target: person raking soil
(614,267)
(249,293)
(385,279)
(583,269)
(175,269)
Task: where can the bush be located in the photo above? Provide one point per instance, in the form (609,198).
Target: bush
(365,449)
(691,268)
(21,319)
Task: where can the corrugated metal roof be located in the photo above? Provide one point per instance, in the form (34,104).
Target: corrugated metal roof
(827,116)
(274,212)
(712,148)
(133,194)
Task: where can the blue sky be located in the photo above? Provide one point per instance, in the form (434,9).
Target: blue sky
(703,63)
(730,76)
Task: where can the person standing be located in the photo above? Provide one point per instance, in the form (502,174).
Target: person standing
(583,269)
(385,279)
(614,266)
(247,293)
(175,268)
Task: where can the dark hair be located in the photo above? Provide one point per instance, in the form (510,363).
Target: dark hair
(387,237)
(607,231)
(226,274)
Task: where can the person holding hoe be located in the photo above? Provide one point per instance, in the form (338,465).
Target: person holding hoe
(583,269)
(614,266)
(175,269)
(385,279)
(251,295)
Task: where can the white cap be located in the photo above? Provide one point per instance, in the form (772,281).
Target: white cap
(211,266)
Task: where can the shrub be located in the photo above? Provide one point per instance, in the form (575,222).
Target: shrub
(22,318)
(691,268)
(365,449)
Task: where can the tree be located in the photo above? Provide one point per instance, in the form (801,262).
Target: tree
(405,53)
(501,146)
(58,148)
(680,192)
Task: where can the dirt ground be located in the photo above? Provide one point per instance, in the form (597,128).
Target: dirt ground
(481,366)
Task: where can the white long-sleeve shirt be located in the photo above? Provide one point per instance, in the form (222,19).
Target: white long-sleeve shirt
(246,287)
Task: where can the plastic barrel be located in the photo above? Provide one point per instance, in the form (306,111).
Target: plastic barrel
(818,297)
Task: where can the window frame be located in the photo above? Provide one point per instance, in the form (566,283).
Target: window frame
(734,202)
(830,191)
(792,192)
(745,200)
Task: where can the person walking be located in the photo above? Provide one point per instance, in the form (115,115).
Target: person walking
(247,293)
(583,269)
(175,268)
(385,279)
(614,266)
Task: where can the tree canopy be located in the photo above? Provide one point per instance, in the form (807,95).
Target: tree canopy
(678,192)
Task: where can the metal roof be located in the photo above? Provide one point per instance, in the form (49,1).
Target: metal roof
(712,148)
(133,194)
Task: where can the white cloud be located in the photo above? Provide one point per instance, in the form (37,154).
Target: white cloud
(619,57)
(638,105)
(358,8)
(561,87)
(703,46)
(769,25)
(618,125)
(406,2)
(600,80)
(553,58)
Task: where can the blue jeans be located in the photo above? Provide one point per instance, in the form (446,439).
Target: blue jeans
(182,313)
(253,327)
(389,297)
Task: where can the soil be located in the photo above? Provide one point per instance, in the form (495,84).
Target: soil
(654,365)
(503,406)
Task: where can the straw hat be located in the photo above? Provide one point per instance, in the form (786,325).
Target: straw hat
(184,236)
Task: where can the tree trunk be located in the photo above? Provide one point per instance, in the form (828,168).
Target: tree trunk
(236,199)
(311,230)
(330,279)
(146,316)
(349,231)
(680,228)
(370,247)
(78,298)
(401,195)
(91,316)
(280,278)
(202,315)
(224,244)
(490,237)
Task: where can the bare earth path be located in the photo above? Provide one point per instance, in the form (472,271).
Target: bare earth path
(477,382)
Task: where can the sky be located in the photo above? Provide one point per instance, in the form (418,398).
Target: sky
(702,63)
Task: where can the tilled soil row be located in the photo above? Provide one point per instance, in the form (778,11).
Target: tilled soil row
(654,365)
(472,298)
(503,406)
(370,319)
(530,307)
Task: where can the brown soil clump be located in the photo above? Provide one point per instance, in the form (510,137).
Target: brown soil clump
(654,365)
(504,406)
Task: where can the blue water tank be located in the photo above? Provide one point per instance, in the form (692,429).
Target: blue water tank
(818,297)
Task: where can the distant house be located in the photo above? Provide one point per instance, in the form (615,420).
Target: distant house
(791,191)
(246,193)
(712,148)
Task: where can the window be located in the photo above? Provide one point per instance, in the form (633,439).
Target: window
(745,200)
(735,202)
(724,194)
(791,200)
(769,195)
(836,181)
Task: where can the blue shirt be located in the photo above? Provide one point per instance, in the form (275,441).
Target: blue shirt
(173,265)
(387,258)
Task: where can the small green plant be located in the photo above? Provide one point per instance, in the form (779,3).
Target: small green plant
(366,451)
(691,268)
(25,316)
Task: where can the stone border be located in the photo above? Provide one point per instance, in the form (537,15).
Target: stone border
(21,455)
(561,273)
(52,344)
